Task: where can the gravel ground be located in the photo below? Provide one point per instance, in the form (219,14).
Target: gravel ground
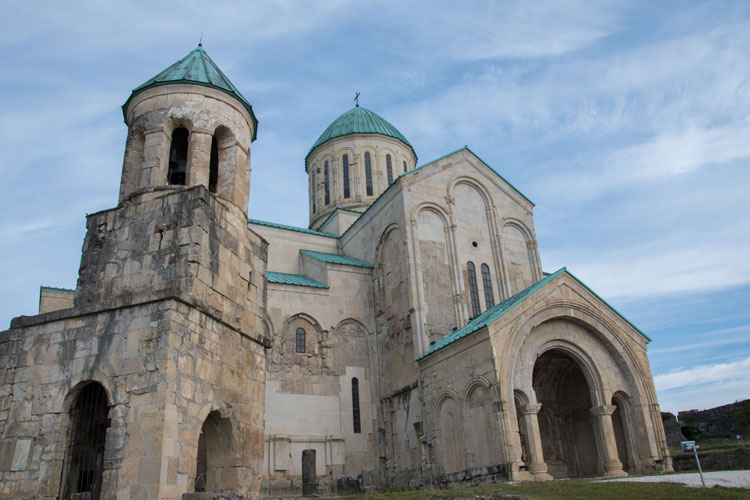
(730,478)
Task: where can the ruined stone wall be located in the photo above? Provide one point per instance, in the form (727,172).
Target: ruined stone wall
(309,394)
(461,404)
(175,242)
(168,318)
(164,366)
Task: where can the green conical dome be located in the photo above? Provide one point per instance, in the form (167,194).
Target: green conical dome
(359,120)
(198,69)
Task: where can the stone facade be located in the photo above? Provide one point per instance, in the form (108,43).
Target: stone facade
(408,337)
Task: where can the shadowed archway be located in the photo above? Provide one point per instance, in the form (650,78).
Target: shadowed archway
(566,425)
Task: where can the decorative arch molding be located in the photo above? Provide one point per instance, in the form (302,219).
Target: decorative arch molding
(585,362)
(476,184)
(479,382)
(352,321)
(460,314)
(510,221)
(64,400)
(304,316)
(498,266)
(601,329)
(531,247)
(445,395)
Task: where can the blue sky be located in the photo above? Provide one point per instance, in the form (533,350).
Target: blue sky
(627,123)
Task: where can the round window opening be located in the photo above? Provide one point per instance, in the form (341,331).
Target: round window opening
(474,244)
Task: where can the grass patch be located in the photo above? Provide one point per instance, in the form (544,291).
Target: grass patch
(566,490)
(585,490)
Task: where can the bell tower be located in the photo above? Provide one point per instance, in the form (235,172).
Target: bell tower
(177,262)
(189,126)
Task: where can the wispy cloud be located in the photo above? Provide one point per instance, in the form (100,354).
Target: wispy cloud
(704,386)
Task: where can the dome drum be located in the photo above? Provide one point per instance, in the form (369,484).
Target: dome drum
(353,162)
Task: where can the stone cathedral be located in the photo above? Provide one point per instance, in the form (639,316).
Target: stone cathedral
(407,336)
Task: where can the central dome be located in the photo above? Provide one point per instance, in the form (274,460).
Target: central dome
(359,120)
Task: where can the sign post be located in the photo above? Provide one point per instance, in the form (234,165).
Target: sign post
(690,445)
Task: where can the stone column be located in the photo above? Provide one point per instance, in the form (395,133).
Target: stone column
(199,156)
(155,160)
(612,464)
(534,441)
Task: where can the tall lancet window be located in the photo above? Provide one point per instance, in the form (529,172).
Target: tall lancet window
(312,192)
(213,167)
(404,166)
(368,173)
(345,163)
(489,297)
(357,424)
(389,169)
(178,154)
(475,309)
(326,183)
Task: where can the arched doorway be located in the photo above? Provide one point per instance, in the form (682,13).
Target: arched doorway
(84,462)
(566,424)
(217,455)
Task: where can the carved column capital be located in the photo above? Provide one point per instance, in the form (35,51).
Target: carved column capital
(599,411)
(531,408)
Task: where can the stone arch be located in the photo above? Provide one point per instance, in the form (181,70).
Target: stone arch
(436,273)
(480,427)
(313,334)
(567,430)
(598,343)
(476,184)
(621,418)
(450,436)
(223,164)
(88,421)
(350,347)
(219,442)
(518,255)
(473,223)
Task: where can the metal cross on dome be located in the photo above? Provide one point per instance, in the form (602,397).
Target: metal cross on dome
(356,98)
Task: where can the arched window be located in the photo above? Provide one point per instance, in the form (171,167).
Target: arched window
(345,163)
(312,192)
(489,297)
(213,169)
(178,153)
(326,183)
(86,441)
(476,311)
(404,166)
(368,173)
(355,406)
(300,337)
(389,169)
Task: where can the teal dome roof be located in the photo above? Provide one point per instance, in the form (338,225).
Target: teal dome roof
(359,120)
(198,69)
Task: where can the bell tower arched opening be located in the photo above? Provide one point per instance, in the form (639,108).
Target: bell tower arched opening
(566,425)
(178,155)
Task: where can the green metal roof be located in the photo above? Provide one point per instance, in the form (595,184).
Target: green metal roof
(198,69)
(293,279)
(290,228)
(359,120)
(336,259)
(495,312)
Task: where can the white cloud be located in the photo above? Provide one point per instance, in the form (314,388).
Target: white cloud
(703,386)
(703,375)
